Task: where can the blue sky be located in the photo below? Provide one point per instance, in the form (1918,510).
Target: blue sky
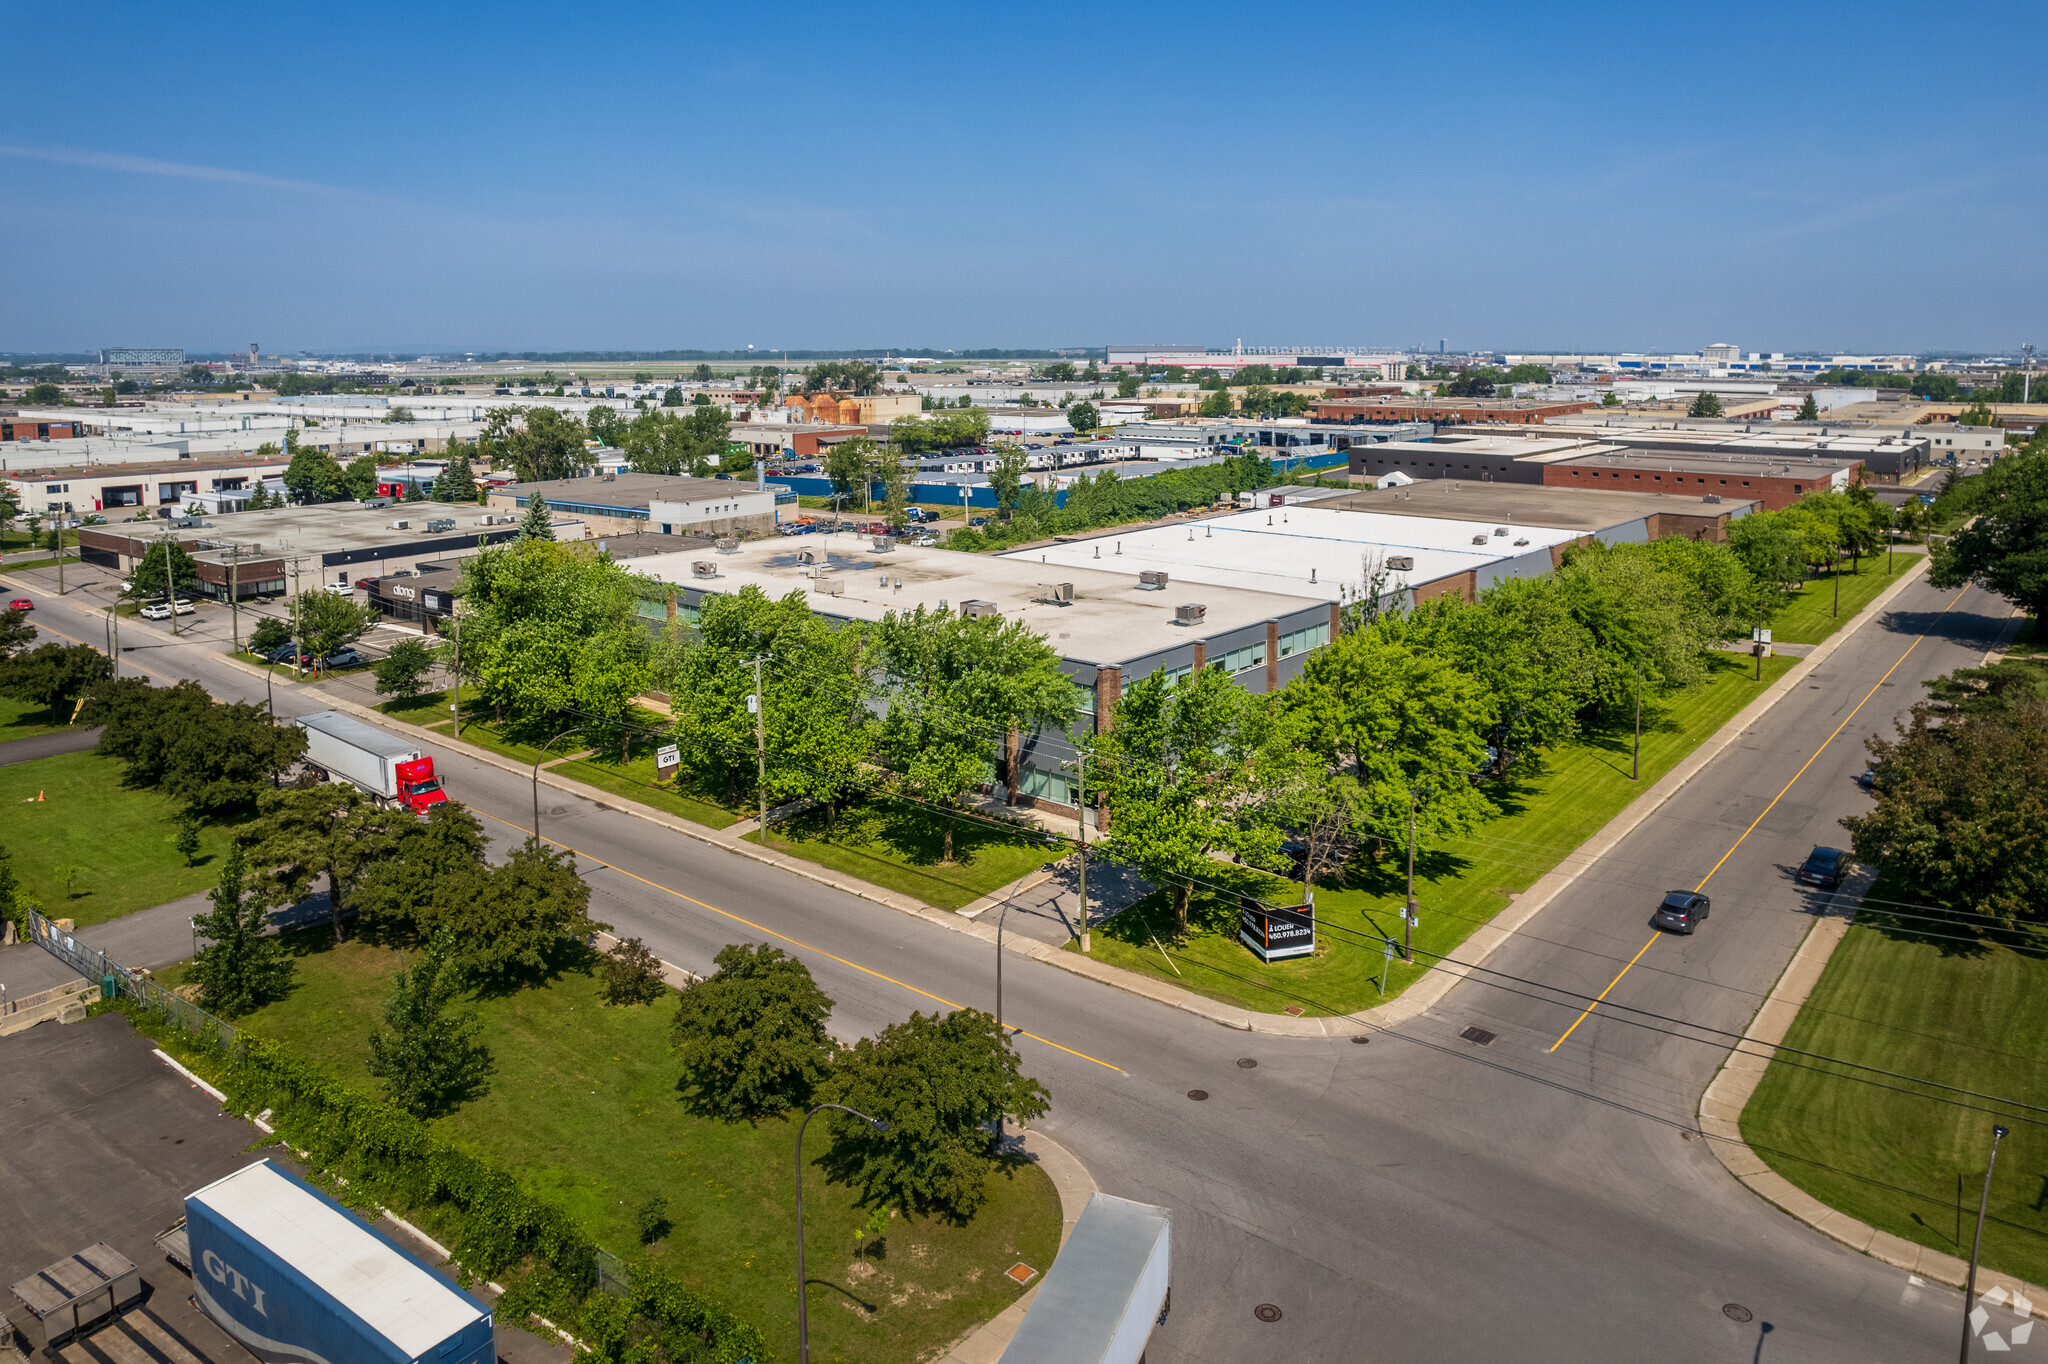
(626,177)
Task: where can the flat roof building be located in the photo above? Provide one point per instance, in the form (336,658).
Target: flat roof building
(619,504)
(1456,411)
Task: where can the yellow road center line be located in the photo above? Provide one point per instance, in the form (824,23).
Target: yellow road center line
(137,666)
(797,942)
(1587,1011)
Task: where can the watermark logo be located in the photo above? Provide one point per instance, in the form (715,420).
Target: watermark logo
(2014,1336)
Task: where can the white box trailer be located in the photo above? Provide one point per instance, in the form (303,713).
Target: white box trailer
(382,765)
(299,1279)
(1107,1289)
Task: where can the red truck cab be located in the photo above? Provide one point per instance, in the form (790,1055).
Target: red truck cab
(419,790)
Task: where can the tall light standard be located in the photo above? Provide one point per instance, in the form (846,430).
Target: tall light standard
(803,1316)
(1998,1134)
(536,776)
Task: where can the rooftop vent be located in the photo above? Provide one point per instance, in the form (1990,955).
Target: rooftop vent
(728,544)
(883,544)
(833,587)
(1711,497)
(807,556)
(975,610)
(443,524)
(401,525)
(1059,594)
(1192,613)
(1479,539)
(1400,563)
(703,568)
(1153,578)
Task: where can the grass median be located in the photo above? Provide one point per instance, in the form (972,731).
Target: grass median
(1460,884)
(1890,1152)
(120,839)
(901,846)
(583,1109)
(19,720)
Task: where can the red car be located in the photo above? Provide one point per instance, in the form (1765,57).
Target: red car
(21,604)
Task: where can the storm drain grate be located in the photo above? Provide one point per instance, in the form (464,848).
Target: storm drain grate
(1266,1312)
(1735,1311)
(1247,1063)
(1198,1094)
(1479,1035)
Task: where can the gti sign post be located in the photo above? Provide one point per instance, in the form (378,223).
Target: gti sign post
(1276,933)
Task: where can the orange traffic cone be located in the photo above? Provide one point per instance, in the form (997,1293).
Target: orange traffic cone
(39,795)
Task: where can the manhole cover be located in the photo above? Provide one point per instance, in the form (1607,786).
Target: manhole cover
(1479,1035)
(1247,1063)
(1198,1094)
(1735,1311)
(1021,1272)
(1361,1039)
(1266,1311)
(559,810)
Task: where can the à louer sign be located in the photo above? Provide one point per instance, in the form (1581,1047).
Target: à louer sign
(1275,932)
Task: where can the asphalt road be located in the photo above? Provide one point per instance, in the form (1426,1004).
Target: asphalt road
(1421,1197)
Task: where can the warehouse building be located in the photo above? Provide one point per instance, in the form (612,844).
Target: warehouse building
(620,504)
(163,484)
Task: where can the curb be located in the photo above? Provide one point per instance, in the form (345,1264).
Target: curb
(1722,1102)
(985,1343)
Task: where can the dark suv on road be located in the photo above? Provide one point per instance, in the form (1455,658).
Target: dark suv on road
(1824,867)
(1681,911)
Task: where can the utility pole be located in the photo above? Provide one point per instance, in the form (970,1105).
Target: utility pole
(298,640)
(2027,375)
(1408,913)
(455,688)
(1835,572)
(1081,818)
(234,599)
(1998,1134)
(760,752)
(1635,771)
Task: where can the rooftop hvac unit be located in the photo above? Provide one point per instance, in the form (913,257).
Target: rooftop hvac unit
(975,610)
(807,556)
(1710,497)
(1193,613)
(440,525)
(703,568)
(883,544)
(401,525)
(1479,539)
(1400,563)
(728,544)
(1500,530)
(832,587)
(1062,594)
(1153,578)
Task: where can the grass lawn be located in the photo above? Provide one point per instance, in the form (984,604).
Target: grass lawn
(87,818)
(634,780)
(1924,1007)
(899,846)
(1809,615)
(1459,885)
(19,720)
(584,1109)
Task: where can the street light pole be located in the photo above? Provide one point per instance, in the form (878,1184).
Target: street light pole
(536,777)
(1408,913)
(1998,1134)
(760,752)
(1635,769)
(803,1316)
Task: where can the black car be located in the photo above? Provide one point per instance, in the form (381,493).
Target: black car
(1681,911)
(1824,867)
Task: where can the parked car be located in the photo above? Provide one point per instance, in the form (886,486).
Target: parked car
(364,583)
(339,589)
(341,658)
(155,610)
(925,541)
(21,604)
(283,653)
(978,521)
(1680,912)
(1824,867)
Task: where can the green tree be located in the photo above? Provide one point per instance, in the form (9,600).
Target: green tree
(1809,411)
(850,465)
(547,445)
(940,1082)
(457,481)
(270,633)
(1705,405)
(751,1037)
(1962,808)
(402,672)
(894,471)
(1606,399)
(53,676)
(329,621)
(605,426)
(429,1057)
(1127,385)
(2004,549)
(15,633)
(187,842)
(1217,404)
(313,477)
(243,966)
(433,868)
(212,756)
(630,974)
(665,443)
(538,523)
(1006,479)
(524,919)
(43,394)
(1083,417)
(329,830)
(1177,772)
(359,479)
(164,559)
(1528,374)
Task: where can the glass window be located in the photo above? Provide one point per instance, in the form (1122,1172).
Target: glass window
(1052,786)
(1084,698)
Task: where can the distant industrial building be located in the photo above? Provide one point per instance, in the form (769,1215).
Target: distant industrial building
(1450,411)
(153,357)
(620,504)
(168,484)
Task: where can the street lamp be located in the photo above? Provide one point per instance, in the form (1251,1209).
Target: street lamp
(536,776)
(803,1316)
(1998,1134)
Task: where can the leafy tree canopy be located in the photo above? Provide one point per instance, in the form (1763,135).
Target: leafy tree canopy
(752,1038)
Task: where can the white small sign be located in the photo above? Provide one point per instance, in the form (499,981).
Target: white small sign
(1387,949)
(670,755)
